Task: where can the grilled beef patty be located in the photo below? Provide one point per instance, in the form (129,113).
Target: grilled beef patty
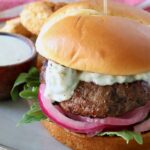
(93,100)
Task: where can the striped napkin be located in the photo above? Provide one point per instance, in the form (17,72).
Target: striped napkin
(130,2)
(11,8)
(6,4)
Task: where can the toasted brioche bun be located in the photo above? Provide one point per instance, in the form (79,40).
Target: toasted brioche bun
(82,142)
(81,37)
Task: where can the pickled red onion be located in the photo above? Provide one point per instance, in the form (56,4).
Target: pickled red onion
(88,125)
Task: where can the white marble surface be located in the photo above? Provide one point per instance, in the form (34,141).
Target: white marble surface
(27,137)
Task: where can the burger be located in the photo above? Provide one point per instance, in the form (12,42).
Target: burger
(95,83)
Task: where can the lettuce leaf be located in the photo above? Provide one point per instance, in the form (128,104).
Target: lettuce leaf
(33,115)
(19,81)
(27,80)
(26,87)
(126,135)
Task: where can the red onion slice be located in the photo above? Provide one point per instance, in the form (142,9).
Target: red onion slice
(143,127)
(55,115)
(129,118)
(85,124)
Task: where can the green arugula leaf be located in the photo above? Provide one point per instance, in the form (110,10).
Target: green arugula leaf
(126,135)
(26,80)
(33,115)
(26,86)
(22,78)
(33,75)
(29,93)
(33,83)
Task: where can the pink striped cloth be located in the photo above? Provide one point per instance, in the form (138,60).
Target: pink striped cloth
(12,8)
(130,2)
(6,4)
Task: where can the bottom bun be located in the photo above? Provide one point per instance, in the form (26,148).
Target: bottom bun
(82,142)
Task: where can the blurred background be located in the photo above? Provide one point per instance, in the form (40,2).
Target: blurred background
(11,8)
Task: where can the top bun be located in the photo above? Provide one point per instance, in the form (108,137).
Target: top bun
(81,37)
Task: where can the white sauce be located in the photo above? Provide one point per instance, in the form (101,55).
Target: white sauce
(62,81)
(13,50)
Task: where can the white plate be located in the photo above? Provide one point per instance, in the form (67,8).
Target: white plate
(27,137)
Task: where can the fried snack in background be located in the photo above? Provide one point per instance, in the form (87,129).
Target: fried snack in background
(32,18)
(58,5)
(35,14)
(15,26)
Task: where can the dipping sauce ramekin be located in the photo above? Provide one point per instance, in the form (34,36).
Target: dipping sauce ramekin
(17,54)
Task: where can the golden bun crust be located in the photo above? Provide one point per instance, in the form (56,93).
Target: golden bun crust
(80,142)
(81,37)
(35,14)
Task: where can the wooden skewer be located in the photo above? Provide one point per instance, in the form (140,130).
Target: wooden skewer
(105,6)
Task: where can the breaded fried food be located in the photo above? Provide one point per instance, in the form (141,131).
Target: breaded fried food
(58,5)
(35,14)
(15,26)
